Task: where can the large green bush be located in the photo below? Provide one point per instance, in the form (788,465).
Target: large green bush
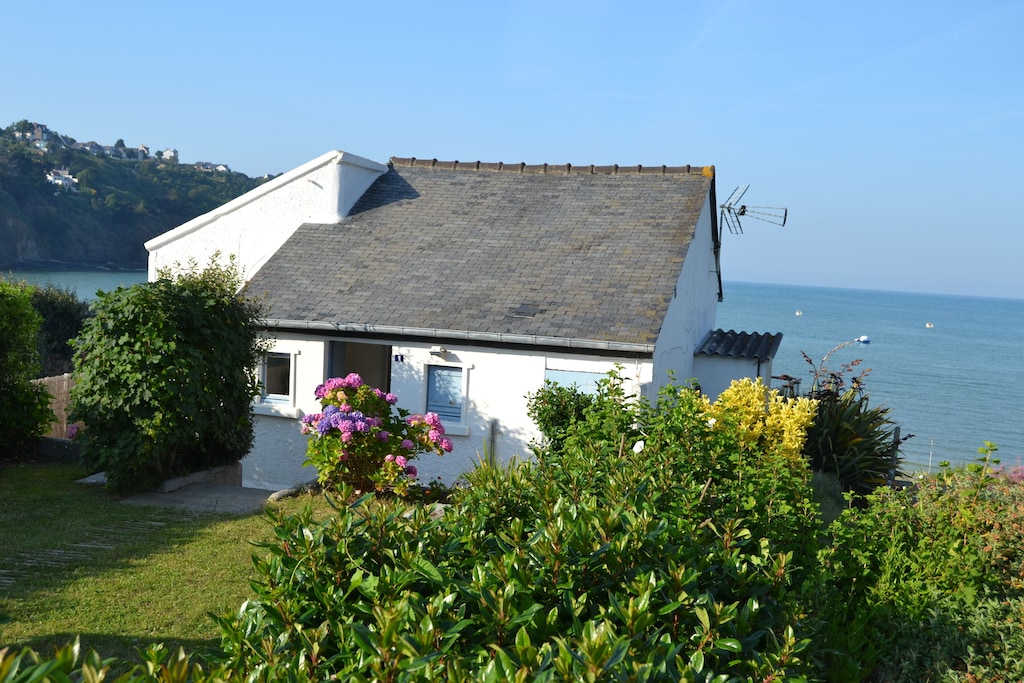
(927,583)
(165,377)
(851,440)
(25,412)
(609,560)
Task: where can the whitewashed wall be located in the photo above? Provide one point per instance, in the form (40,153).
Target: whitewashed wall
(497,385)
(254,226)
(691,314)
(717,373)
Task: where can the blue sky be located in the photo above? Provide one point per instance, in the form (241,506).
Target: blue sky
(893,132)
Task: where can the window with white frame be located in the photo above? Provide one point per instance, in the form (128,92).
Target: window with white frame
(446,392)
(277,378)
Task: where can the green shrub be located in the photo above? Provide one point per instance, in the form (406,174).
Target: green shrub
(608,560)
(926,583)
(63,315)
(26,410)
(553,408)
(165,377)
(850,440)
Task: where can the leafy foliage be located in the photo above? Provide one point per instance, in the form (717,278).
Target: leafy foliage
(928,582)
(165,377)
(553,408)
(598,562)
(26,406)
(63,315)
(850,440)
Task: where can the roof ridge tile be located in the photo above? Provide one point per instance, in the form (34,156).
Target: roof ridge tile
(552,169)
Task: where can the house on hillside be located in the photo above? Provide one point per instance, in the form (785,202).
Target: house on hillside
(461,287)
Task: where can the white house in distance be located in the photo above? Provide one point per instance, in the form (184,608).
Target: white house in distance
(460,287)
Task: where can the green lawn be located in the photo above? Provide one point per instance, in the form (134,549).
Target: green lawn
(76,561)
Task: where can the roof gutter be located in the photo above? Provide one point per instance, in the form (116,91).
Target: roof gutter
(460,335)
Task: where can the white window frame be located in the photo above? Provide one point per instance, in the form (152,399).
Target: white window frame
(281,405)
(460,428)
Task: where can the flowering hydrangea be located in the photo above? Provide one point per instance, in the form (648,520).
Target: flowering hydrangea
(362,439)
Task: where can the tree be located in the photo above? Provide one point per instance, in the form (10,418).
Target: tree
(165,376)
(26,406)
(119,144)
(63,315)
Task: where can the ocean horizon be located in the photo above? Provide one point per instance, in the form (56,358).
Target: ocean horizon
(947,366)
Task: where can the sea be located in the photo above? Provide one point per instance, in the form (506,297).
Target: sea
(950,369)
(84,283)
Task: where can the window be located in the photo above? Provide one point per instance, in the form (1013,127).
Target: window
(585,382)
(277,378)
(445,392)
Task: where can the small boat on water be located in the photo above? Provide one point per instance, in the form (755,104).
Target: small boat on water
(864,339)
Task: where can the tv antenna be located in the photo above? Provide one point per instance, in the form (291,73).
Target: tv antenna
(732,210)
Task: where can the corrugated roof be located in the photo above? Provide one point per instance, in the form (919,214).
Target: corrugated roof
(753,345)
(534,253)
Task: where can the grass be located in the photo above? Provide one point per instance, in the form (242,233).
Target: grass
(76,561)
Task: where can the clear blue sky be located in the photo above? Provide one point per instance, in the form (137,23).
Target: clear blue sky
(893,131)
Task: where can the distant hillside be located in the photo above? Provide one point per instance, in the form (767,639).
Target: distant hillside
(64,202)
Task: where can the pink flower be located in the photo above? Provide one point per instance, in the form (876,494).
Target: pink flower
(401,461)
(446,445)
(352,380)
(435,435)
(389,458)
(433,419)
(345,408)
(391,398)
(346,437)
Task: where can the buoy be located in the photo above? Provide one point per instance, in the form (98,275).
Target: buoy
(929,325)
(799,312)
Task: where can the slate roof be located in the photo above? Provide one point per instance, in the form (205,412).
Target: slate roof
(732,344)
(586,257)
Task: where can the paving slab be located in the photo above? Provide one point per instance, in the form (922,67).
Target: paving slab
(223,498)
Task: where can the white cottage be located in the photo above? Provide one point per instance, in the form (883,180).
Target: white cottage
(460,287)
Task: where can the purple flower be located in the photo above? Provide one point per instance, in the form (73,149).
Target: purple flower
(391,398)
(72,430)
(408,445)
(411,470)
(383,436)
(352,380)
